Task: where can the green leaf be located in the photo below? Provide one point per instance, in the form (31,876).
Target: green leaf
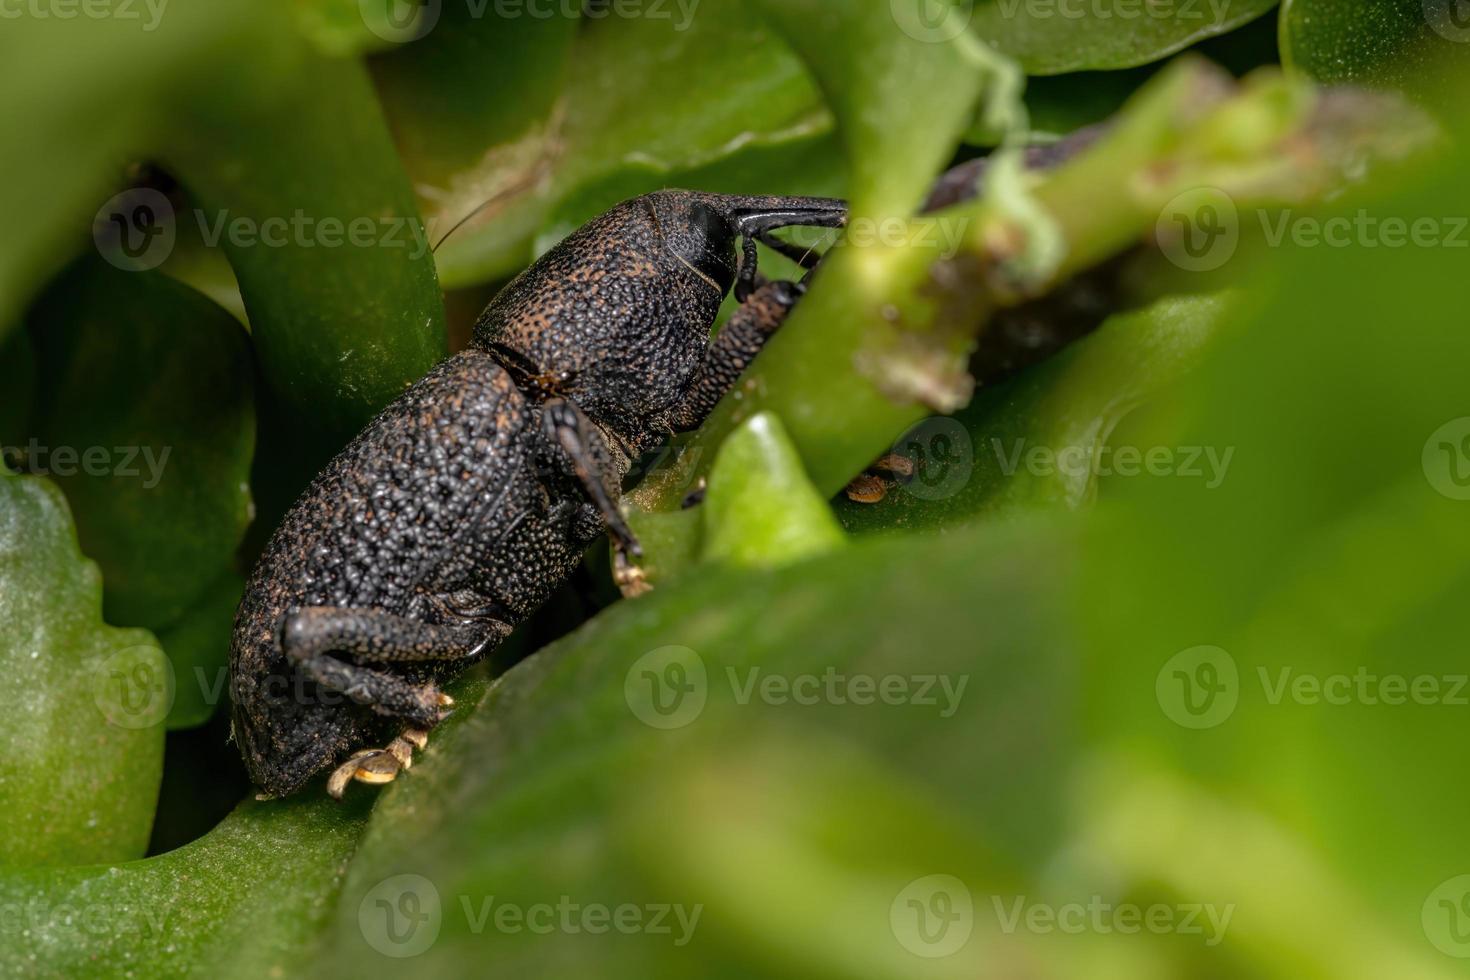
(1333,554)
(566,780)
(653,101)
(246,900)
(1048,37)
(468,100)
(83,702)
(319,225)
(760,508)
(198,646)
(1401,44)
(147,423)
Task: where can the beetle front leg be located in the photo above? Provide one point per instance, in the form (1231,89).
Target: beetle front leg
(734,347)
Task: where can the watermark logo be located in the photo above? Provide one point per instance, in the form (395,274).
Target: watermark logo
(933,916)
(1201,687)
(400,21)
(400,916)
(134,687)
(1450,19)
(135,230)
(1446,459)
(1198,687)
(1445,916)
(942,454)
(667,687)
(932,21)
(1199,229)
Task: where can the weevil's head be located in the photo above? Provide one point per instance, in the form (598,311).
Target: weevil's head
(617,316)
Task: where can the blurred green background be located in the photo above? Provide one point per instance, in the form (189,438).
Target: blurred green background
(1153,669)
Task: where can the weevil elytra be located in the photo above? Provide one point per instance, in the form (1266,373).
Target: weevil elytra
(459,509)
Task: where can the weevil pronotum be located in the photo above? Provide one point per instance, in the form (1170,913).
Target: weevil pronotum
(459,509)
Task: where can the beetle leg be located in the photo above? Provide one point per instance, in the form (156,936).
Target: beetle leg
(377,765)
(591,462)
(310,636)
(733,348)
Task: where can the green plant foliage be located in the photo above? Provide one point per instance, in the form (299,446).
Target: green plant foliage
(1048,37)
(243,901)
(761,509)
(84,703)
(1166,623)
(1043,438)
(198,646)
(147,423)
(1392,43)
(704,97)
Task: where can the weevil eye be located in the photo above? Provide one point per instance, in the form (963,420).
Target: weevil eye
(706,242)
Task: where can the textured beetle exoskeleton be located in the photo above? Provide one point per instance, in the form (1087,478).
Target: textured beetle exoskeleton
(468,500)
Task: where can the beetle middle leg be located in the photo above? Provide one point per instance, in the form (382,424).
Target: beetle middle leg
(310,637)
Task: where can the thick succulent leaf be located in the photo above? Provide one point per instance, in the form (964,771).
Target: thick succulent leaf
(631,763)
(198,646)
(246,900)
(872,72)
(580,774)
(1307,595)
(1380,43)
(83,702)
(472,96)
(760,508)
(147,423)
(1048,38)
(319,225)
(105,81)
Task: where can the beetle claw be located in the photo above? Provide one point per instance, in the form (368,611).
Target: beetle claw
(377,766)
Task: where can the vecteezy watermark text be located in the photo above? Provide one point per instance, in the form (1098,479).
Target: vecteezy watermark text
(1201,687)
(150,12)
(137,229)
(669,686)
(1096,915)
(401,916)
(1191,462)
(122,462)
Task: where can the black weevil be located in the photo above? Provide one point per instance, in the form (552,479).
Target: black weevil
(459,509)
